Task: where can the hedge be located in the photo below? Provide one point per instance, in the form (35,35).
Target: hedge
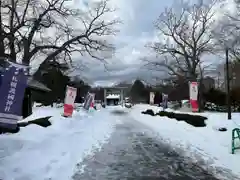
(149,112)
(161,113)
(194,120)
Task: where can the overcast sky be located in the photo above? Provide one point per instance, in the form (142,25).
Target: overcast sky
(137,29)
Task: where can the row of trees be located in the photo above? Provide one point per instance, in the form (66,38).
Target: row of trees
(218,97)
(52,75)
(140,93)
(189,32)
(49,33)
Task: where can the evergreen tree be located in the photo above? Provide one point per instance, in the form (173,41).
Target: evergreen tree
(138,92)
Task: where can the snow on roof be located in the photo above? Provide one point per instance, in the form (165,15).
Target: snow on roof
(113,96)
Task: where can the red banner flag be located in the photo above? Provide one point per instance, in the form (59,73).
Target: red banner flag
(193,93)
(71,93)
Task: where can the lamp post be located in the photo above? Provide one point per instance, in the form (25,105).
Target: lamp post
(228,87)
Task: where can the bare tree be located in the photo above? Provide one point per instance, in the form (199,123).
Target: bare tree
(227,32)
(184,37)
(52,29)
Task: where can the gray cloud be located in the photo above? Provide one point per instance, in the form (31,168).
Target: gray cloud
(137,29)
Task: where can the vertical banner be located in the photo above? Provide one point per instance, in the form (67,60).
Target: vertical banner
(12,89)
(88,101)
(193,93)
(151,98)
(93,99)
(70,97)
(92,102)
(164,101)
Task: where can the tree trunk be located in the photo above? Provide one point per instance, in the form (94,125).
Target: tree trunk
(27,104)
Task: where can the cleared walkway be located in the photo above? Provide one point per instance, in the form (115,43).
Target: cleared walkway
(132,154)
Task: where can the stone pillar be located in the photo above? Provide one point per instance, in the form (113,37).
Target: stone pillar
(121,96)
(105,95)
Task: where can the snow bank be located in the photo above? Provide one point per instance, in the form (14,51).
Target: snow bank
(212,145)
(37,153)
(44,111)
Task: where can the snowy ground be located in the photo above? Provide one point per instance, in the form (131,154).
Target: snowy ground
(208,143)
(37,153)
(134,152)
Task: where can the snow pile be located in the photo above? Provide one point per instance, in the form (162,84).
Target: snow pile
(44,111)
(213,146)
(98,106)
(113,96)
(53,152)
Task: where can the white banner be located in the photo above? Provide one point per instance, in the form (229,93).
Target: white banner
(152,95)
(93,95)
(193,91)
(70,96)
(88,100)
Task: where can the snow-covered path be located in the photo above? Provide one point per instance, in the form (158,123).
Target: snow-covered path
(37,153)
(113,143)
(135,152)
(206,143)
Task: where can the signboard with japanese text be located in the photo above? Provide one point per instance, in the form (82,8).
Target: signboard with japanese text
(93,99)
(13,84)
(88,101)
(71,94)
(70,97)
(193,93)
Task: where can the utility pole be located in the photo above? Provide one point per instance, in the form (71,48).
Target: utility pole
(228,87)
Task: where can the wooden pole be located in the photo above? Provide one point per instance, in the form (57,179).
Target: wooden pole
(228,87)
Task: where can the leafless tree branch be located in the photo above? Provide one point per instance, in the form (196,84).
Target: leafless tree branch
(30,29)
(184,36)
